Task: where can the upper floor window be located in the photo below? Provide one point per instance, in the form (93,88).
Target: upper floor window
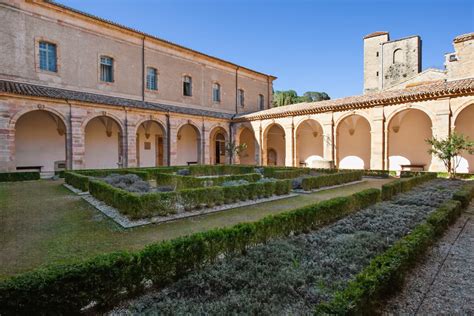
(216,92)
(106,69)
(241,97)
(398,56)
(187,86)
(151,79)
(48,57)
(261,101)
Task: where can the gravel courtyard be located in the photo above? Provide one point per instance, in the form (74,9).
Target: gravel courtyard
(444,282)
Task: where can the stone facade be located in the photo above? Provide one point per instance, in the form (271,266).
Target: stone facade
(71,117)
(389,62)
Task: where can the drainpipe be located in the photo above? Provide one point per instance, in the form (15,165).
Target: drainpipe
(231,126)
(168,139)
(203,143)
(125,141)
(143,68)
(268,92)
(236,89)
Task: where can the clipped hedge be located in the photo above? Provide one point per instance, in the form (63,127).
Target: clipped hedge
(311,183)
(393,188)
(19,176)
(134,205)
(214,170)
(387,271)
(77,180)
(65,289)
(187,182)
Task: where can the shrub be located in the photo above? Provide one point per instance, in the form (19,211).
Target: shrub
(128,182)
(77,180)
(311,183)
(196,198)
(391,189)
(387,271)
(19,176)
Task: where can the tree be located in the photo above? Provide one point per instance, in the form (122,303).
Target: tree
(233,149)
(281,98)
(448,150)
(316,96)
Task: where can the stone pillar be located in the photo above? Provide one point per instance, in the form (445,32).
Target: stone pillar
(289,145)
(131,140)
(7,137)
(173,141)
(328,136)
(440,129)
(78,141)
(377,139)
(205,145)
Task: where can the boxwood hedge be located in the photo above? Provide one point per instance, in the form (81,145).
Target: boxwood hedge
(19,176)
(311,183)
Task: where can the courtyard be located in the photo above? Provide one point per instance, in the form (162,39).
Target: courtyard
(45,223)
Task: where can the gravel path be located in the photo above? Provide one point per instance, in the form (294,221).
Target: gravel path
(444,282)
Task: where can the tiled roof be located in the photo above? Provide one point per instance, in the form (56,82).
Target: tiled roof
(420,92)
(27,89)
(91,16)
(464,37)
(375,34)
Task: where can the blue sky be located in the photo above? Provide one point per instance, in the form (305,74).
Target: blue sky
(308,45)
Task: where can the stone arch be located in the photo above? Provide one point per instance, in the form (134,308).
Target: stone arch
(407,130)
(19,114)
(353,137)
(309,143)
(103,142)
(218,138)
(423,109)
(458,111)
(188,144)
(463,125)
(151,143)
(40,140)
(274,139)
(246,136)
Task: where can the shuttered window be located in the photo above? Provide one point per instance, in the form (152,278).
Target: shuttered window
(261,101)
(241,97)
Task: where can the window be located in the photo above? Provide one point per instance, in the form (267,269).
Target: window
(398,56)
(216,92)
(453,57)
(377,54)
(377,73)
(187,86)
(106,69)
(241,97)
(48,57)
(151,79)
(261,101)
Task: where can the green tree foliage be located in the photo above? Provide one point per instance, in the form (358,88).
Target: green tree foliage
(448,150)
(287,97)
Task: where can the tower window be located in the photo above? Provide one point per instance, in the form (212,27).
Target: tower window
(261,101)
(377,73)
(377,54)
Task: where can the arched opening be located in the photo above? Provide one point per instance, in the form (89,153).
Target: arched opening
(247,156)
(103,144)
(189,145)
(407,134)
(309,143)
(151,144)
(218,139)
(275,145)
(353,143)
(398,56)
(40,142)
(463,125)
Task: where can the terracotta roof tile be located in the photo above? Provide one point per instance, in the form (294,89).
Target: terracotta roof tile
(375,34)
(417,93)
(27,89)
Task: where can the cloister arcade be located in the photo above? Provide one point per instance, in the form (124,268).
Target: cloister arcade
(373,138)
